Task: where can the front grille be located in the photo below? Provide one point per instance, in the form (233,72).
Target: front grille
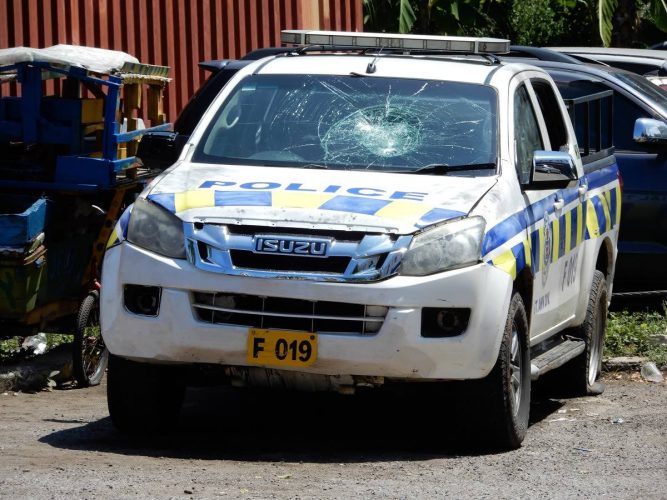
(267,262)
(338,235)
(352,256)
(288,314)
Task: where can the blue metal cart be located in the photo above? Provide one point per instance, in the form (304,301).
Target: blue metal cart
(70,121)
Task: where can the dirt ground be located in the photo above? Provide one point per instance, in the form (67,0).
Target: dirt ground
(246,445)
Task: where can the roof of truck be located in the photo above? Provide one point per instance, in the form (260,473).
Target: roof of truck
(465,69)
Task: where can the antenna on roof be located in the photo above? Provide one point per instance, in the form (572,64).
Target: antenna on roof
(371,68)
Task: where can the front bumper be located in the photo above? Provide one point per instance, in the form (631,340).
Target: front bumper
(396,351)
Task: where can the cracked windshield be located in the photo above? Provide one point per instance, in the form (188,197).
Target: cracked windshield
(355,123)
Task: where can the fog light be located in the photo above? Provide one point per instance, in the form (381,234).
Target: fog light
(142,300)
(224,302)
(374,312)
(449,322)
(372,326)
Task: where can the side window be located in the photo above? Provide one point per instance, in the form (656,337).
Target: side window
(623,107)
(527,138)
(551,111)
(624,129)
(599,135)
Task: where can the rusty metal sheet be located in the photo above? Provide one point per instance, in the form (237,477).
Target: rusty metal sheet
(175,33)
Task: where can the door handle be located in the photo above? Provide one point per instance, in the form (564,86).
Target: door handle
(583,189)
(559,204)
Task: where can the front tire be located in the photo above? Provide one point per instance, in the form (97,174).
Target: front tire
(143,398)
(503,397)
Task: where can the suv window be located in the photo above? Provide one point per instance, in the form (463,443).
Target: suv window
(196,106)
(623,107)
(635,67)
(548,103)
(352,122)
(527,137)
(624,129)
(644,87)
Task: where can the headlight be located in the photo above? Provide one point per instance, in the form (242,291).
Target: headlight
(153,228)
(452,245)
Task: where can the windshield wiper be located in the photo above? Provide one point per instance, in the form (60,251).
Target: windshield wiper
(444,168)
(315,165)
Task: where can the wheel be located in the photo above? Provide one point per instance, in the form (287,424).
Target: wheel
(143,398)
(501,401)
(583,371)
(90,353)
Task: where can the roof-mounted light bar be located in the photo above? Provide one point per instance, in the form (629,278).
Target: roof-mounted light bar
(468,45)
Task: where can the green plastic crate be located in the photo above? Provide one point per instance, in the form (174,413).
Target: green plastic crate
(22,283)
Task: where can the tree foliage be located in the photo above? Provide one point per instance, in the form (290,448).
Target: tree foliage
(389,15)
(530,22)
(621,21)
(451,17)
(606,10)
(536,22)
(659,14)
(406,16)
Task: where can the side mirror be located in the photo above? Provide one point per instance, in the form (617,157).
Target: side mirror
(157,150)
(649,131)
(553,167)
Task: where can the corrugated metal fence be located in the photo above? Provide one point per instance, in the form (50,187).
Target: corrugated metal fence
(175,33)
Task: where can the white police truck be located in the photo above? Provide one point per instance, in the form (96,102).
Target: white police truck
(369,209)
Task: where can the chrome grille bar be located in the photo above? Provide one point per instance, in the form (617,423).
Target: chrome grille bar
(289,315)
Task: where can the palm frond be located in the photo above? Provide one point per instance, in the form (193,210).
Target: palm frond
(659,13)
(606,9)
(406,17)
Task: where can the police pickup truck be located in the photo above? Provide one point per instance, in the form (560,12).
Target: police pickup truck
(366,210)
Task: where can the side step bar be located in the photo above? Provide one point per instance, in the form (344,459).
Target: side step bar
(555,357)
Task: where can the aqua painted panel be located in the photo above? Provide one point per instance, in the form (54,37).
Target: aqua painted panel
(22,218)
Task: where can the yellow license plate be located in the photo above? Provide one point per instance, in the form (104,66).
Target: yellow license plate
(281,348)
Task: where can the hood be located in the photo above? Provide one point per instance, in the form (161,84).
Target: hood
(354,200)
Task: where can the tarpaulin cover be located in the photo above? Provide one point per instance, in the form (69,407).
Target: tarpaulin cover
(91,58)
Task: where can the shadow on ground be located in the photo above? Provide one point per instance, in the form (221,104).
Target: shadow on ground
(225,423)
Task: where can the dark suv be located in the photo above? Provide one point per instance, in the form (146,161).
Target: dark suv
(640,137)
(649,63)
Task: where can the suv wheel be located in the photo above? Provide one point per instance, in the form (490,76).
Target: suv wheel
(502,399)
(583,371)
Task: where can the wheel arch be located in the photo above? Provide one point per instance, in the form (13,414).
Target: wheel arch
(605,261)
(523,284)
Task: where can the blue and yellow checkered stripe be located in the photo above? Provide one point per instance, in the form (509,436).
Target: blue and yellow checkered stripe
(119,232)
(417,213)
(584,221)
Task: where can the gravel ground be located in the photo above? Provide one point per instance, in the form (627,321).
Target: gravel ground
(247,445)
